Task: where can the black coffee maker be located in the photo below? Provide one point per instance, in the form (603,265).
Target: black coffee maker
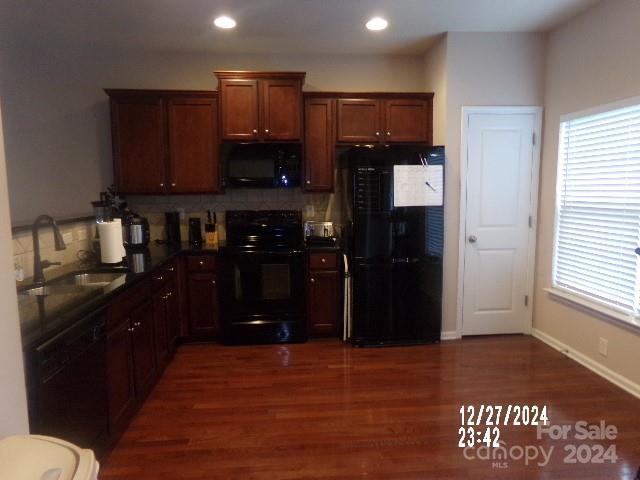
(173,228)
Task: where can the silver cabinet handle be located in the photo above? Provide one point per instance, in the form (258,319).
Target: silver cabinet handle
(170,269)
(162,185)
(473,239)
(388,134)
(255,131)
(137,324)
(213,282)
(266,130)
(313,280)
(130,330)
(323,260)
(159,277)
(308,182)
(173,184)
(201,262)
(377,134)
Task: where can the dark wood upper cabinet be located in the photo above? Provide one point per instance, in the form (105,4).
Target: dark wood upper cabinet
(139,143)
(193,145)
(239,109)
(281,109)
(260,106)
(385,118)
(359,120)
(319,145)
(165,141)
(407,120)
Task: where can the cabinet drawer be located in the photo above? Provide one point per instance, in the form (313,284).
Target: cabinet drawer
(201,264)
(323,261)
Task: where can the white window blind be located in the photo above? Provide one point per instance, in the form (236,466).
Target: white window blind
(598,210)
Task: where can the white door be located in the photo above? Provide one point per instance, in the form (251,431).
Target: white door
(500,149)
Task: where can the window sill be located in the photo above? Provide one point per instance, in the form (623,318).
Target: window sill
(594,308)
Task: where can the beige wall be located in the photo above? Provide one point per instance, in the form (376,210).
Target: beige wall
(481,69)
(13,403)
(435,76)
(591,61)
(57,116)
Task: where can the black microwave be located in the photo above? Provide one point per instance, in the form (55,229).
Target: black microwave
(263,165)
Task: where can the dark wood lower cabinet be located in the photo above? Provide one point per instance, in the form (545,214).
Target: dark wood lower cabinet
(120,378)
(161,324)
(144,351)
(323,302)
(203,304)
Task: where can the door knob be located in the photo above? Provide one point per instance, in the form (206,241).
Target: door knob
(162,185)
(308,182)
(313,280)
(266,130)
(377,134)
(473,239)
(255,131)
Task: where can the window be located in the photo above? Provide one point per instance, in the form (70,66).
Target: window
(598,207)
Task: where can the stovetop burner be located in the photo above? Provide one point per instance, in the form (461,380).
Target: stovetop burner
(264,229)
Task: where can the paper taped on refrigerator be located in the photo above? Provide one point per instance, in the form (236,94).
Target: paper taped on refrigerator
(417,185)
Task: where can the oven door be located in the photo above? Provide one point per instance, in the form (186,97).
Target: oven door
(263,296)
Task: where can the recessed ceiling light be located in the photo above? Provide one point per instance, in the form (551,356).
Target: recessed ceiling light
(224,22)
(377,23)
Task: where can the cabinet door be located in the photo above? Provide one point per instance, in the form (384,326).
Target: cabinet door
(120,377)
(319,144)
(193,145)
(173,314)
(359,121)
(203,304)
(407,120)
(144,354)
(139,148)
(323,305)
(239,109)
(281,102)
(161,327)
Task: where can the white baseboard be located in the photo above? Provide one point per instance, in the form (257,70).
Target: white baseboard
(450,335)
(606,373)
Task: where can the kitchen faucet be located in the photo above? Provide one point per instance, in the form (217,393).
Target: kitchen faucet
(40,265)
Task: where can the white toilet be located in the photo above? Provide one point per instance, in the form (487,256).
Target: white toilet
(35,457)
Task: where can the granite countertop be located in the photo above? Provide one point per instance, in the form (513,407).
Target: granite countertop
(42,317)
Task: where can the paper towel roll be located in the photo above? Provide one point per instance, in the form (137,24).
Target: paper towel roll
(111,246)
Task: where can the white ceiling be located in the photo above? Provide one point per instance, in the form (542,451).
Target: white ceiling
(272,26)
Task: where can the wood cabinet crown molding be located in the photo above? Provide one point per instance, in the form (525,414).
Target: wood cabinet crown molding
(370,95)
(123,92)
(227,74)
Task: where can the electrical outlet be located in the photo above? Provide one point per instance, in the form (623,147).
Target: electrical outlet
(602,346)
(67,237)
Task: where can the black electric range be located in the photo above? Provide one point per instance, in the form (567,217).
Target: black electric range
(262,278)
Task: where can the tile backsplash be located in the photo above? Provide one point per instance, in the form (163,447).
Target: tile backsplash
(77,236)
(153,207)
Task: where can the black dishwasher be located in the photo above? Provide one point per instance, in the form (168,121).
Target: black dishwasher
(68,384)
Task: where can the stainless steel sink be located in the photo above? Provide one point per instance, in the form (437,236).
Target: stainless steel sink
(44,290)
(89,279)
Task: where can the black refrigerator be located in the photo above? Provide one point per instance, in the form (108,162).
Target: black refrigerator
(395,253)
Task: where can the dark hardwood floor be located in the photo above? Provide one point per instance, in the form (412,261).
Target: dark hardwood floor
(323,410)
